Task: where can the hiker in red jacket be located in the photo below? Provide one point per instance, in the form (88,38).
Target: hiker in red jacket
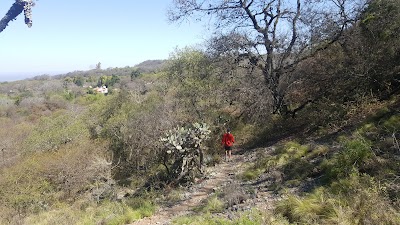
(227,142)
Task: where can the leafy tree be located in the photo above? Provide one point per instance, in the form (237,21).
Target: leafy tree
(108,80)
(190,72)
(79,81)
(273,36)
(102,81)
(363,63)
(67,81)
(135,73)
(98,66)
(15,10)
(133,123)
(113,80)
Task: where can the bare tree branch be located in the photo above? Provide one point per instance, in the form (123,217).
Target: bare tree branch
(278,34)
(15,10)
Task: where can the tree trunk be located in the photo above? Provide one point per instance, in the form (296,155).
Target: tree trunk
(272,78)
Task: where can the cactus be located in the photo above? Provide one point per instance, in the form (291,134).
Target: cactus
(183,148)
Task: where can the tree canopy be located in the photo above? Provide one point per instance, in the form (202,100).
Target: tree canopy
(274,35)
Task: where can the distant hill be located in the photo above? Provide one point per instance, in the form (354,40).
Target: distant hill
(150,66)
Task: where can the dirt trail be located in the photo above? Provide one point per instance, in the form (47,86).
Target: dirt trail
(216,177)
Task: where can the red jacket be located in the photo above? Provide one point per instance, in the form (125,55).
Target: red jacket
(227,139)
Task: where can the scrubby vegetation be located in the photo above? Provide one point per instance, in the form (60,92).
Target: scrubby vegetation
(70,155)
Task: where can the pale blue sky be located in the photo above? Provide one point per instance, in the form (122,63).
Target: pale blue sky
(70,35)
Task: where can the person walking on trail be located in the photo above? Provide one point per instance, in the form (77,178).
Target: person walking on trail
(227,142)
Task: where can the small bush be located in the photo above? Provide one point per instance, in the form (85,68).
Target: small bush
(90,98)
(367,128)
(251,174)
(234,194)
(317,151)
(297,169)
(266,162)
(294,149)
(286,153)
(353,157)
(212,205)
(174,196)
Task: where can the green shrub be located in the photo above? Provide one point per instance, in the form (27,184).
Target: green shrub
(286,153)
(245,132)
(261,165)
(354,156)
(68,95)
(362,200)
(62,216)
(39,181)
(54,131)
(317,151)
(294,149)
(251,173)
(366,128)
(90,98)
(23,190)
(297,169)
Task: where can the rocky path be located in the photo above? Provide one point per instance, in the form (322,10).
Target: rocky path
(223,177)
(216,177)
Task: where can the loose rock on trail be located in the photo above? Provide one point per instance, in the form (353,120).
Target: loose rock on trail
(217,177)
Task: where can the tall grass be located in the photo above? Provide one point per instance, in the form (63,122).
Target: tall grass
(358,199)
(212,205)
(107,213)
(252,217)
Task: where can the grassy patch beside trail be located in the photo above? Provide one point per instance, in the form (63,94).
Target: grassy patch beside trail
(355,200)
(108,213)
(354,181)
(253,217)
